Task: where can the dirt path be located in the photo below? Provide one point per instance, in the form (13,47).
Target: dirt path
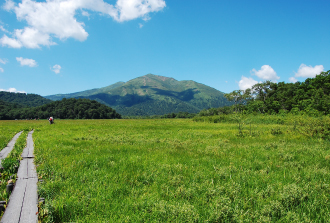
(23,202)
(4,153)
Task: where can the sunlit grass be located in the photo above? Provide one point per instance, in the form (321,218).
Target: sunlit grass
(181,171)
(8,129)
(7,132)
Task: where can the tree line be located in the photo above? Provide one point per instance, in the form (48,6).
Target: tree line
(310,97)
(166,116)
(25,100)
(65,109)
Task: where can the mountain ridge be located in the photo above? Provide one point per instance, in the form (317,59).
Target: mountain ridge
(153,95)
(57,97)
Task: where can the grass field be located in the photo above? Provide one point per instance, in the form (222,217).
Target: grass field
(8,130)
(180,171)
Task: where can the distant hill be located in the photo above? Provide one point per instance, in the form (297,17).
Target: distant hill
(153,95)
(26,100)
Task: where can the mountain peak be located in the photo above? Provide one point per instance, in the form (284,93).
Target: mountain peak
(162,78)
(154,95)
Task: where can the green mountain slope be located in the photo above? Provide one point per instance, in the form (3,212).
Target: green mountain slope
(86,93)
(22,99)
(154,95)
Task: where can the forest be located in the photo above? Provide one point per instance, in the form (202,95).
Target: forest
(310,97)
(26,100)
(65,109)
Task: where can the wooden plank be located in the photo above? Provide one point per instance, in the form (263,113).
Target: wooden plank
(23,202)
(13,210)
(28,150)
(29,211)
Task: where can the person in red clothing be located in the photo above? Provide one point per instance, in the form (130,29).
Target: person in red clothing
(51,120)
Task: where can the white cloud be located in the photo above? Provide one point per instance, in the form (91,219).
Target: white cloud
(3,61)
(56,68)
(266,73)
(84,13)
(26,62)
(56,18)
(13,43)
(28,37)
(132,9)
(293,79)
(13,90)
(3,29)
(246,83)
(309,71)
(140,25)
(9,5)
(1,70)
(32,38)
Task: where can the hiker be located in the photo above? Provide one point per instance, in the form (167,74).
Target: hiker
(51,120)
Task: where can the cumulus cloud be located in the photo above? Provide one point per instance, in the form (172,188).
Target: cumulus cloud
(246,83)
(1,70)
(293,80)
(309,71)
(26,62)
(32,38)
(266,73)
(10,42)
(56,18)
(56,68)
(132,9)
(13,90)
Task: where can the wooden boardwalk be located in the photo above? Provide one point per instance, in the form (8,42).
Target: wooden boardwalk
(23,202)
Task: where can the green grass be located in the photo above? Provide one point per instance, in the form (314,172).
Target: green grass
(8,129)
(181,171)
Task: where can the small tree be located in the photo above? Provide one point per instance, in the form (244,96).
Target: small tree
(240,97)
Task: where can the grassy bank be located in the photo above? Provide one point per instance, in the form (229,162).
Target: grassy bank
(181,171)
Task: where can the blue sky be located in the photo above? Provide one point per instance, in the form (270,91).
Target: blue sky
(65,46)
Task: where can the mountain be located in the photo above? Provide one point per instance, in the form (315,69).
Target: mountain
(153,95)
(86,93)
(22,99)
